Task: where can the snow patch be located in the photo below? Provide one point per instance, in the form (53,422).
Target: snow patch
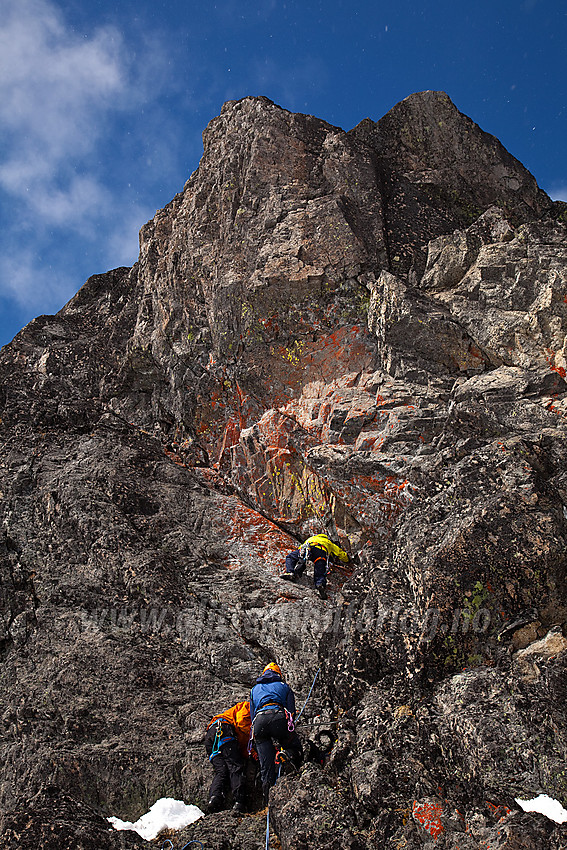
(164,814)
(545,805)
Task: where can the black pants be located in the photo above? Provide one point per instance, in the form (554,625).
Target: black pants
(319,559)
(229,766)
(268,725)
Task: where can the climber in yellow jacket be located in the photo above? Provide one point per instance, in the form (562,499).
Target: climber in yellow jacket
(321,550)
(226,744)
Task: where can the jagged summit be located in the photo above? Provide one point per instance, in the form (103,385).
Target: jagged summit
(365,330)
(427,131)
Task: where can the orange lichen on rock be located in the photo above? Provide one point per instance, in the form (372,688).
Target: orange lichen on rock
(428,816)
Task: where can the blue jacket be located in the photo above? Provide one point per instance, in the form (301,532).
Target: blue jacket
(269,688)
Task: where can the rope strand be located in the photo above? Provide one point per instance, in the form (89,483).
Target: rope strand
(268,828)
(308,695)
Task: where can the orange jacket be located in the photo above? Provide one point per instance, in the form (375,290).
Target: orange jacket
(239,718)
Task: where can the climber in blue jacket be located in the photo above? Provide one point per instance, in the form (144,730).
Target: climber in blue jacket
(272,708)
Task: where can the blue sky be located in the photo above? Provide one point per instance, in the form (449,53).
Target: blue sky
(103,102)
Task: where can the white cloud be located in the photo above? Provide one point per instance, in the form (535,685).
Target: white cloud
(29,282)
(78,115)
(82,198)
(558,192)
(55,90)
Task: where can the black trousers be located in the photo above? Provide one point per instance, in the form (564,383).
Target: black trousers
(319,559)
(270,726)
(229,766)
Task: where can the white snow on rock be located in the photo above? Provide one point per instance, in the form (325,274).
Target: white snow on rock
(164,814)
(545,805)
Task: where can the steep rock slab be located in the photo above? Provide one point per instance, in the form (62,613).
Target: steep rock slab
(510,294)
(271,244)
(262,255)
(139,589)
(440,171)
(130,585)
(474,570)
(439,343)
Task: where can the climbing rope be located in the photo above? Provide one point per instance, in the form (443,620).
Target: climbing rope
(308,695)
(268,829)
(168,841)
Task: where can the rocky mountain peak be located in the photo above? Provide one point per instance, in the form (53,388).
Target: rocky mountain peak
(359,332)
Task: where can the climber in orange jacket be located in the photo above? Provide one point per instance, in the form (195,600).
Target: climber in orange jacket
(226,744)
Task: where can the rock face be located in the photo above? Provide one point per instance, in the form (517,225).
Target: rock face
(363,333)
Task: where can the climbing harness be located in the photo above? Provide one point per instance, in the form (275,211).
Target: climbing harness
(220,739)
(289,718)
(284,760)
(305,555)
(217,742)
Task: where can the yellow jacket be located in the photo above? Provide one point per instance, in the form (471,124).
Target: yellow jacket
(323,542)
